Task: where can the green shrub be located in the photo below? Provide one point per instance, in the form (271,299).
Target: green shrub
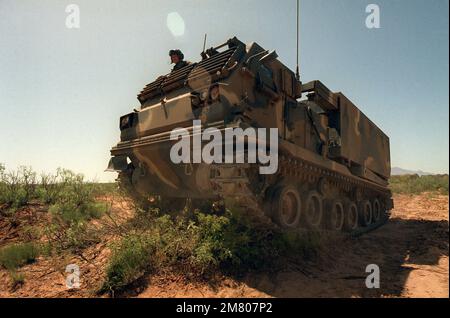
(72,236)
(17,188)
(2,183)
(71,199)
(71,212)
(45,249)
(65,188)
(130,260)
(74,201)
(151,243)
(16,255)
(73,206)
(415,184)
(201,246)
(16,278)
(105,188)
(48,189)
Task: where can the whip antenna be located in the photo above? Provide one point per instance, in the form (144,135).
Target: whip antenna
(204,43)
(203,54)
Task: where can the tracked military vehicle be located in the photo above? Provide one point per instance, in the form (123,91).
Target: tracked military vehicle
(333,161)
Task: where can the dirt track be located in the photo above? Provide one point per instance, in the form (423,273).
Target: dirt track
(411,252)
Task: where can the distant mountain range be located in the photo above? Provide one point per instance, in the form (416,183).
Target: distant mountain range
(396,171)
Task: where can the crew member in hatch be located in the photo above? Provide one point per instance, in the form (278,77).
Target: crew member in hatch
(177,58)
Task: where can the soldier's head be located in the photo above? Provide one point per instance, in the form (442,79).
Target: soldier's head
(176,56)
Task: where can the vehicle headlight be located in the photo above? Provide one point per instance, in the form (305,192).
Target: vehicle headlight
(126,121)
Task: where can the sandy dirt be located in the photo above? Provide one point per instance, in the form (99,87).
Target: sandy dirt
(411,251)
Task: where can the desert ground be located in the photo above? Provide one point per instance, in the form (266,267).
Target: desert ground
(411,251)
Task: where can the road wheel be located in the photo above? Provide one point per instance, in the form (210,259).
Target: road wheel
(376,208)
(366,213)
(351,216)
(313,210)
(287,207)
(335,213)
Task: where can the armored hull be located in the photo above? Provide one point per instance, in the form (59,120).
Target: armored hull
(333,163)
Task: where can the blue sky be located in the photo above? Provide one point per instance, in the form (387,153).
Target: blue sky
(62,90)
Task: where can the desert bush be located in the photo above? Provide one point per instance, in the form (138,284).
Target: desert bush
(72,238)
(16,255)
(18,187)
(74,201)
(69,228)
(16,278)
(2,184)
(48,188)
(73,205)
(131,259)
(31,232)
(71,212)
(236,244)
(101,189)
(415,184)
(200,246)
